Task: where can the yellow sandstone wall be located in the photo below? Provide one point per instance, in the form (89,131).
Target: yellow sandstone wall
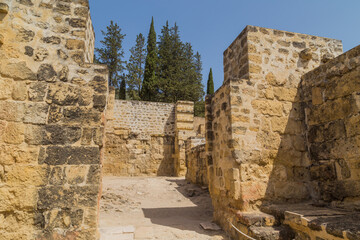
(331,97)
(52,104)
(139,138)
(255,142)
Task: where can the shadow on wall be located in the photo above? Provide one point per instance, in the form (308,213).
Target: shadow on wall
(318,155)
(166,166)
(289,180)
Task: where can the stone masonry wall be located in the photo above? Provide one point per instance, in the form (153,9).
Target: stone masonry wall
(332,106)
(139,138)
(196,161)
(262,156)
(52,106)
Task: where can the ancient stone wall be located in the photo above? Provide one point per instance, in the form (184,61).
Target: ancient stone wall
(52,106)
(255,142)
(139,138)
(332,105)
(196,161)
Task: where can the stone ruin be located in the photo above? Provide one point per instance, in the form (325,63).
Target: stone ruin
(279,148)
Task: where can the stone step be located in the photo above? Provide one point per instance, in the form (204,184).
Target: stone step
(258,219)
(271,233)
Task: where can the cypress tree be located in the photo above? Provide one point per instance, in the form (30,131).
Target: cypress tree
(148,89)
(210,83)
(122,91)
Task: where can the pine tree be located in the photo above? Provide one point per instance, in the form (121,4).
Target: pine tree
(210,83)
(122,91)
(112,53)
(135,68)
(148,90)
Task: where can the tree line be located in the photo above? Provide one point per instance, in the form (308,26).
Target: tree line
(161,69)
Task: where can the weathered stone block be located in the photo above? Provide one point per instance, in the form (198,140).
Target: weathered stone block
(99,102)
(57,176)
(52,40)
(28,175)
(36,113)
(6,87)
(37,91)
(14,133)
(74,44)
(56,155)
(46,73)
(81,115)
(67,197)
(19,91)
(77,23)
(62,94)
(267,107)
(17,71)
(76,174)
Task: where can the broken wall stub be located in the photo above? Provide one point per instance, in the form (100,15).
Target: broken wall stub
(184,129)
(139,138)
(196,167)
(330,94)
(52,104)
(255,127)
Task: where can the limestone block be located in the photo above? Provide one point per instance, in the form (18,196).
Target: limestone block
(267,107)
(286,94)
(279,124)
(28,175)
(17,71)
(36,113)
(74,44)
(19,91)
(6,86)
(14,133)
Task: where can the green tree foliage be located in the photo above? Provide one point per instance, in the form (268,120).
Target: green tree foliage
(210,83)
(179,70)
(135,68)
(149,84)
(111,53)
(122,91)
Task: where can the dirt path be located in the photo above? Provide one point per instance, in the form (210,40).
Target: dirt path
(154,208)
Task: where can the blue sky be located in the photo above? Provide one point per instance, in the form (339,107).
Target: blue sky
(211,25)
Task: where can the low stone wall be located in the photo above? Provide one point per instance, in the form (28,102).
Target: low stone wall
(52,107)
(139,138)
(331,96)
(196,161)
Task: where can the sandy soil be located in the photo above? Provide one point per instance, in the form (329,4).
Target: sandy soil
(155,208)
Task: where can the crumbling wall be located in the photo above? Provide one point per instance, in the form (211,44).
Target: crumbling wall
(332,105)
(196,161)
(52,106)
(139,138)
